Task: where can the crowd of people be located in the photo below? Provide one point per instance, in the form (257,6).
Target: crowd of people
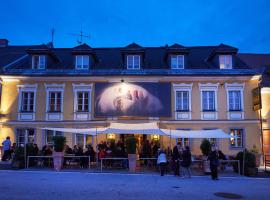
(179,158)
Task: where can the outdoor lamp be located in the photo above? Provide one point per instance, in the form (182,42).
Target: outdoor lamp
(155,137)
(111,136)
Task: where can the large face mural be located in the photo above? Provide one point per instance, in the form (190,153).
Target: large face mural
(133,99)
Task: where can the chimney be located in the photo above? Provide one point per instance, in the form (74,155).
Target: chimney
(3,42)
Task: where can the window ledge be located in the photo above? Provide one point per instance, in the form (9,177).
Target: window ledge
(235,115)
(182,115)
(82,116)
(209,115)
(26,116)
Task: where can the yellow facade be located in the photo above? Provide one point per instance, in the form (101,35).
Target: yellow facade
(250,123)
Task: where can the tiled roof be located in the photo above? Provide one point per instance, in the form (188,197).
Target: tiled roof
(17,60)
(261,62)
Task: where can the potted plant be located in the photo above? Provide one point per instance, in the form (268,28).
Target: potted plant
(255,151)
(131,150)
(58,155)
(18,160)
(249,163)
(206,149)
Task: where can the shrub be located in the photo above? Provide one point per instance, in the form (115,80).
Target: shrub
(250,161)
(205,147)
(59,143)
(131,145)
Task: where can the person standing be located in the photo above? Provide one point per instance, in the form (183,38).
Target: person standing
(175,159)
(213,158)
(6,147)
(186,162)
(162,162)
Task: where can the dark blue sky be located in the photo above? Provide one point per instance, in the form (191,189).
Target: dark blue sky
(241,23)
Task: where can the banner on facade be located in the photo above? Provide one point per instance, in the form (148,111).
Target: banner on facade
(256,99)
(132,99)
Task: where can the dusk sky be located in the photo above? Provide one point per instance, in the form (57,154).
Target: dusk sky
(244,24)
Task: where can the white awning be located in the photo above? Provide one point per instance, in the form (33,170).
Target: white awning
(216,133)
(89,131)
(138,128)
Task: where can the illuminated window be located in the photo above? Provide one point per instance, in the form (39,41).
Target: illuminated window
(237,138)
(225,62)
(177,61)
(82,62)
(38,61)
(133,62)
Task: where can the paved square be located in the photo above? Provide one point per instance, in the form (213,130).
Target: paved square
(28,185)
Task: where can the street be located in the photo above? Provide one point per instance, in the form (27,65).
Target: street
(38,185)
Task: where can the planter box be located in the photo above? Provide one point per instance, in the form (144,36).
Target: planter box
(58,159)
(132,162)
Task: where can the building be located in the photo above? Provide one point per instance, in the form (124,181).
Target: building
(190,88)
(262,63)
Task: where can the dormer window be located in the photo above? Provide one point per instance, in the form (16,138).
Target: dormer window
(225,62)
(133,62)
(82,62)
(177,61)
(38,61)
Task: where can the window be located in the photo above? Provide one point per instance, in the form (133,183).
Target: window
(177,62)
(183,141)
(22,133)
(82,101)
(182,101)
(225,61)
(38,61)
(83,140)
(50,134)
(237,138)
(27,102)
(208,100)
(133,62)
(235,101)
(82,62)
(55,101)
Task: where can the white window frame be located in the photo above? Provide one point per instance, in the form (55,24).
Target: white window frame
(225,58)
(84,139)
(209,115)
(183,115)
(25,133)
(235,87)
(27,116)
(54,134)
(133,61)
(78,115)
(39,66)
(81,67)
(236,139)
(177,61)
(54,116)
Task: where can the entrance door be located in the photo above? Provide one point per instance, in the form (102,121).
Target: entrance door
(266,141)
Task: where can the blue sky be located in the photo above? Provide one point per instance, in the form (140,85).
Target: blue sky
(241,23)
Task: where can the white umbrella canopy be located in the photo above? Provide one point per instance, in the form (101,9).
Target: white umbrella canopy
(132,128)
(215,133)
(89,131)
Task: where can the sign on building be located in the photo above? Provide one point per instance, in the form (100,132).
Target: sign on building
(256,99)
